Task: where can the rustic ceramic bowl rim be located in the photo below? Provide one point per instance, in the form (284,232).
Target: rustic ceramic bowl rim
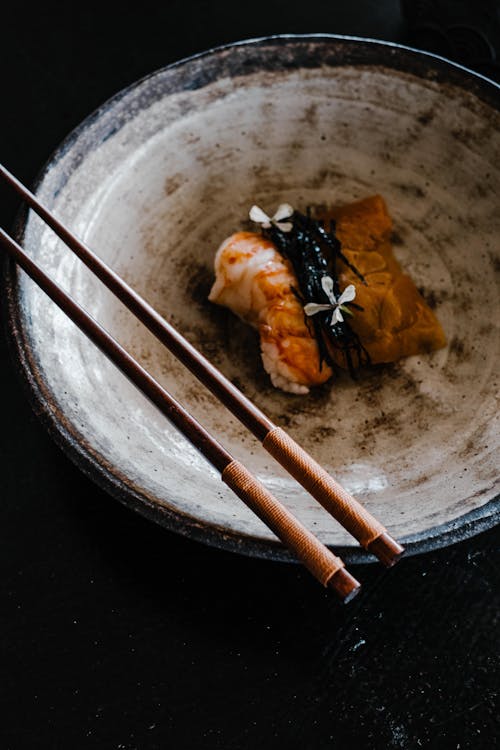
(81,454)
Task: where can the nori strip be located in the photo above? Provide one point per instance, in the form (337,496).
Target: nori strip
(313,252)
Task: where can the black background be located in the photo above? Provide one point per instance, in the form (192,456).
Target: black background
(118,634)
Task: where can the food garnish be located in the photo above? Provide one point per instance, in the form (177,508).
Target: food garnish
(314,253)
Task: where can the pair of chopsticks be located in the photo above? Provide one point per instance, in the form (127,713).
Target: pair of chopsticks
(321,562)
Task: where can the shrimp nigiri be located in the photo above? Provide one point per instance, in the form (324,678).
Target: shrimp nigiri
(256,282)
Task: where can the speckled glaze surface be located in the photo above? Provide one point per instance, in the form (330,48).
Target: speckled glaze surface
(161,174)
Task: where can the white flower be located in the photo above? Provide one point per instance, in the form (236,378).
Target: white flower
(284,212)
(337,305)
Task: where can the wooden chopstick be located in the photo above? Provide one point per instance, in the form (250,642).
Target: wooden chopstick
(370,533)
(319,560)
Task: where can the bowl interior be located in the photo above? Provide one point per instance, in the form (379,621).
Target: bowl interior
(164,173)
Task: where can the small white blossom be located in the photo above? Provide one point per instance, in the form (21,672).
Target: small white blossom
(337,305)
(284,212)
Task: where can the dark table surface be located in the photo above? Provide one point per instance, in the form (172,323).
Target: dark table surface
(118,634)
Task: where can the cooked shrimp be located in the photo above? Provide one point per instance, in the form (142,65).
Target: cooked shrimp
(255,282)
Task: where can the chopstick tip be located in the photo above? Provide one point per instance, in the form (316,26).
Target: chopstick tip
(387,549)
(344,585)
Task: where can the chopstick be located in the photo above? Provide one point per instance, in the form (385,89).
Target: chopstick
(370,533)
(317,558)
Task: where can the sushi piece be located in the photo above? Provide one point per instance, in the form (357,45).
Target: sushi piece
(395,322)
(256,282)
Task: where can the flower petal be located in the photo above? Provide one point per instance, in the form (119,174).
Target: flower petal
(327,284)
(285,226)
(348,294)
(312,308)
(337,316)
(259,216)
(284,211)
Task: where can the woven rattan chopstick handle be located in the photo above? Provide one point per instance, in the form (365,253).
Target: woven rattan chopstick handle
(334,498)
(322,563)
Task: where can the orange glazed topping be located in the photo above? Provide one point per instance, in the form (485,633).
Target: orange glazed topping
(396,321)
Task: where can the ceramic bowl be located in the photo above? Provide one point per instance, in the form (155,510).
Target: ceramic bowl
(164,171)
